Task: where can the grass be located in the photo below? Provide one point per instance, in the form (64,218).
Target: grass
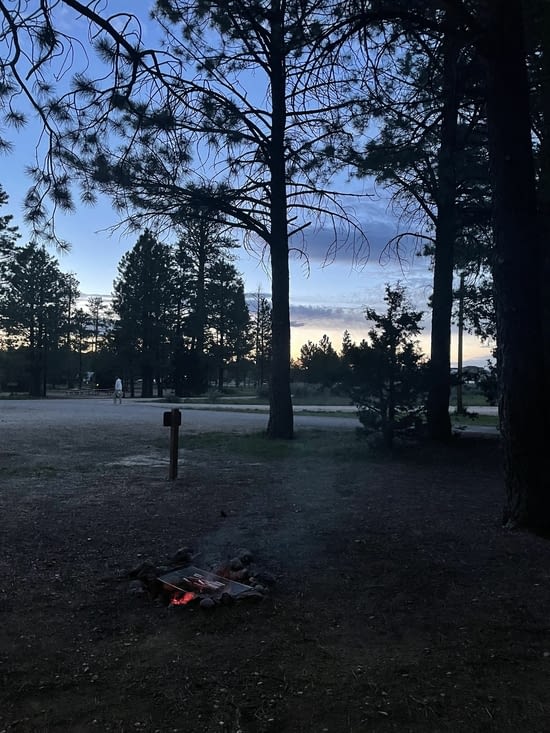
(472,419)
(332,413)
(301,400)
(471,395)
(306,443)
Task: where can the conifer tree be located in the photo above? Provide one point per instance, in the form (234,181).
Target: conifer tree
(386,371)
(144,304)
(32,309)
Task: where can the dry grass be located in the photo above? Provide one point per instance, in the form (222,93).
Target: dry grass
(401,604)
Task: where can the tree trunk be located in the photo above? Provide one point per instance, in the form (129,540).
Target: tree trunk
(199,376)
(146,381)
(439,421)
(460,358)
(516,271)
(35,378)
(281,419)
(79,363)
(544,193)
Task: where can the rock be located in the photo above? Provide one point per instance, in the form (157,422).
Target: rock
(236,564)
(249,595)
(147,567)
(264,578)
(154,587)
(207,603)
(227,599)
(241,576)
(135,588)
(260,588)
(184,555)
(222,570)
(245,556)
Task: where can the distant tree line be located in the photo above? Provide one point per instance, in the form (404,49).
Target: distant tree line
(177,317)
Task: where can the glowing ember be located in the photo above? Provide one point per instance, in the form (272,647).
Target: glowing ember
(183,600)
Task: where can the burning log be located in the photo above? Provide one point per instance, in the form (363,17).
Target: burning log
(182,599)
(187,585)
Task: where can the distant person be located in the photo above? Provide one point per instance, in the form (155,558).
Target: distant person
(118,391)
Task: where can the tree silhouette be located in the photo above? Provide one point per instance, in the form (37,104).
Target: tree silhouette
(144,303)
(386,375)
(33,309)
(178,130)
(201,245)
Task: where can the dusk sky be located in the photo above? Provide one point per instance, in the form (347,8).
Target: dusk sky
(326,298)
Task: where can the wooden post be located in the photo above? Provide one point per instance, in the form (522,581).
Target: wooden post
(172,419)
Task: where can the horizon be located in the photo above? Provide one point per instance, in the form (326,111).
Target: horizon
(325,298)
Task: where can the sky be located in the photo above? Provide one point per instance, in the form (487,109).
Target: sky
(326,297)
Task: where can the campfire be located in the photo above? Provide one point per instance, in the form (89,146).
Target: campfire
(184,584)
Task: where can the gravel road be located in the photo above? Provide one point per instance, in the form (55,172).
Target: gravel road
(99,411)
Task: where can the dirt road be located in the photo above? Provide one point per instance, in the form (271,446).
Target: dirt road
(95,412)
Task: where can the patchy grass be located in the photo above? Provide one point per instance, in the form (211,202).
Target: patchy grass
(307,443)
(472,419)
(401,605)
(471,395)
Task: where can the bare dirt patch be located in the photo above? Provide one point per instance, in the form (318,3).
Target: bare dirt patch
(400,602)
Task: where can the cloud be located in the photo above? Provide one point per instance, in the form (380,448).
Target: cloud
(307,315)
(324,319)
(377,237)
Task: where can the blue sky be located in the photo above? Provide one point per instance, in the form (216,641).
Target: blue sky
(326,298)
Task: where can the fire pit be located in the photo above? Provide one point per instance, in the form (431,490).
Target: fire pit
(185,585)
(182,584)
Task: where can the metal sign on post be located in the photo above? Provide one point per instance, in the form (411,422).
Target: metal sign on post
(172,420)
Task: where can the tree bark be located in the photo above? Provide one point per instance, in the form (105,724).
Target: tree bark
(281,418)
(439,421)
(199,377)
(516,271)
(146,380)
(544,192)
(460,359)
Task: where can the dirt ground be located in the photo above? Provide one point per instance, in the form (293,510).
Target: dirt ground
(400,602)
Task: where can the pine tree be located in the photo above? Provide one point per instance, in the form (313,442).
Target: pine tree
(201,245)
(262,339)
(386,371)
(228,318)
(9,235)
(144,300)
(32,309)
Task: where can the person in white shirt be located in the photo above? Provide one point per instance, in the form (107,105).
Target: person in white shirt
(118,391)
